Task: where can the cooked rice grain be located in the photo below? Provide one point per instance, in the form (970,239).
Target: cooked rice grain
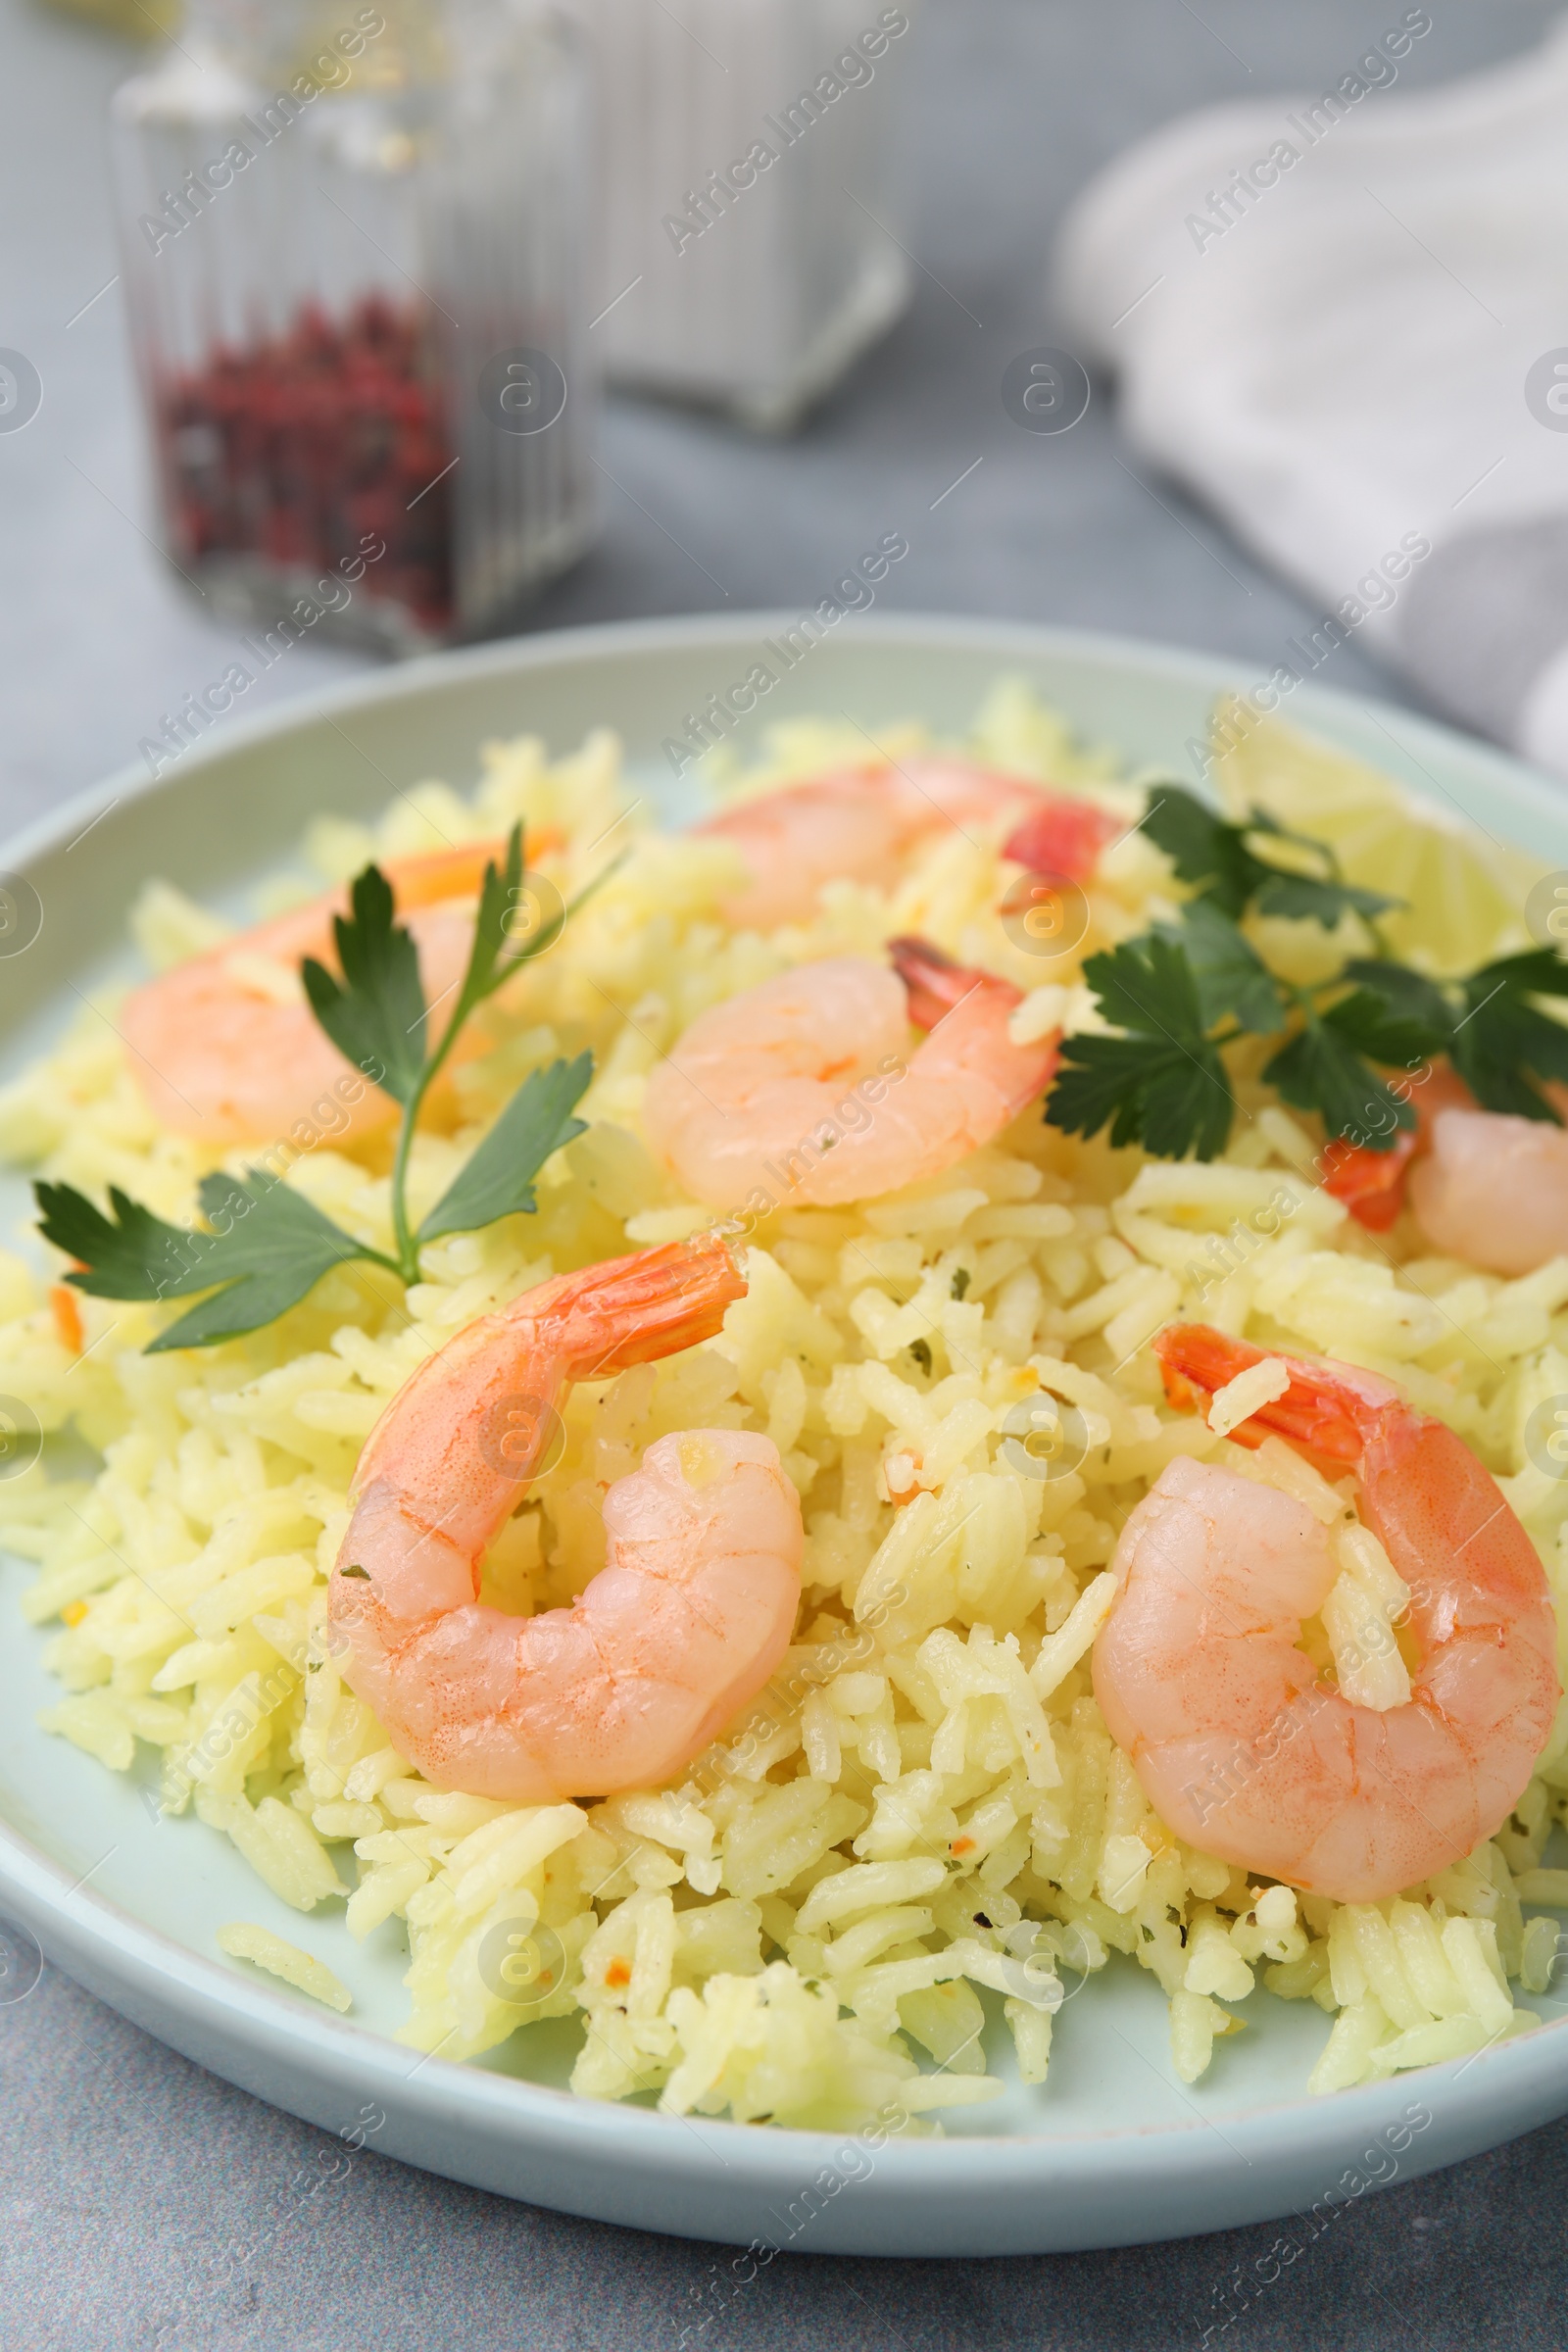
(924,1806)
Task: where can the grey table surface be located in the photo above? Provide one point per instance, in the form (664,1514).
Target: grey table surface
(144,2203)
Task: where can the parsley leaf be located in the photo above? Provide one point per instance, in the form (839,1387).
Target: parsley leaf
(267,1247)
(1146,984)
(1203,849)
(513,924)
(498,1181)
(1503,1042)
(1408,995)
(1365,1019)
(375,1014)
(128,1254)
(1173,1100)
(1321,1070)
(264,1244)
(1232,977)
(1308,898)
(501,919)
(501,926)
(1163,1083)
(1323,898)
(1228,874)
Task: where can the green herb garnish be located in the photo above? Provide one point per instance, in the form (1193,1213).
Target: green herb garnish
(264,1246)
(1162,1084)
(1222,860)
(1186,989)
(1502,1042)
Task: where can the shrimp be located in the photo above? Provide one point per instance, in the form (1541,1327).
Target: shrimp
(1240,1748)
(770,1090)
(1493,1190)
(1486,1186)
(225,1046)
(858,822)
(1371,1182)
(685,1622)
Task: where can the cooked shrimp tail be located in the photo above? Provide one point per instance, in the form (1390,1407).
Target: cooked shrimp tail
(685,1622)
(965,1013)
(583,1326)
(1371,1182)
(1063,837)
(1201,1679)
(1318,1409)
(935,984)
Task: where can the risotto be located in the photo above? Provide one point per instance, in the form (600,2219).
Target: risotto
(924,1806)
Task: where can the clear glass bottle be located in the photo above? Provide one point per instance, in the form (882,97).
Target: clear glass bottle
(356,252)
(752,194)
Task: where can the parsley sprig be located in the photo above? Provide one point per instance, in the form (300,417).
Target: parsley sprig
(1163,1082)
(1182,991)
(264,1246)
(1225,864)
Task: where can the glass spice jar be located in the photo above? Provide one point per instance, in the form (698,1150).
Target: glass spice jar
(752,194)
(355,256)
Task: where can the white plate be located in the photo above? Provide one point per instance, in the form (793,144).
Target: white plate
(1116,2149)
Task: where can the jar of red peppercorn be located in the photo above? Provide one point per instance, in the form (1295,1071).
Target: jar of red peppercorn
(353,241)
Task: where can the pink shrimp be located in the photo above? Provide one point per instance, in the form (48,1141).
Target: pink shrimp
(687,1619)
(805,1084)
(856,824)
(1485,1185)
(225,1046)
(1493,1189)
(1240,1748)
(1371,1183)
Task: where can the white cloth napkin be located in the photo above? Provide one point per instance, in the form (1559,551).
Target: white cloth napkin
(1341,318)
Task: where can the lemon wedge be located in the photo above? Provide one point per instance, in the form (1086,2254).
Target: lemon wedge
(1463,892)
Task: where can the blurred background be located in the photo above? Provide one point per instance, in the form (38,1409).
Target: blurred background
(260,368)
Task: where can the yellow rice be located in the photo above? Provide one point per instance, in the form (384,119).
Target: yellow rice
(925,1803)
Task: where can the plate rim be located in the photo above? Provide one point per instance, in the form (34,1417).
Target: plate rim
(46,1890)
(1524,2077)
(547,649)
